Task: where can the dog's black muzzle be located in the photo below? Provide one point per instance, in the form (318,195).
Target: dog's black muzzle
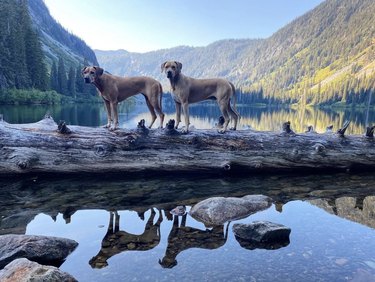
(87,80)
(169,74)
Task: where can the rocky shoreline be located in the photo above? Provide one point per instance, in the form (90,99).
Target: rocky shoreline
(34,258)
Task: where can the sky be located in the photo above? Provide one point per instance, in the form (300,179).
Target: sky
(147,25)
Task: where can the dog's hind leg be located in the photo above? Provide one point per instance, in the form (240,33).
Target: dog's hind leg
(224,110)
(234,114)
(152,112)
(157,108)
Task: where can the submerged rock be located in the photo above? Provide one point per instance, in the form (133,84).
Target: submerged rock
(218,210)
(261,235)
(23,270)
(42,249)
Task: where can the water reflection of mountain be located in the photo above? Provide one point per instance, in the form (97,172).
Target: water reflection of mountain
(22,200)
(348,196)
(357,209)
(203,115)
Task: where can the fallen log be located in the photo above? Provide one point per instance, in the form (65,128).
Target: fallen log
(45,147)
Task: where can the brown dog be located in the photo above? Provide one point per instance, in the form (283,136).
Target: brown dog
(187,90)
(115,89)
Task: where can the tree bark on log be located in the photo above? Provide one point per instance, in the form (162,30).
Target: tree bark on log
(47,148)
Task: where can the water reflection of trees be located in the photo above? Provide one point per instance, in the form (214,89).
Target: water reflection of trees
(203,115)
(348,196)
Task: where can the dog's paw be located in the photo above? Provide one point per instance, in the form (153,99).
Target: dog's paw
(233,129)
(108,125)
(221,131)
(113,128)
(184,131)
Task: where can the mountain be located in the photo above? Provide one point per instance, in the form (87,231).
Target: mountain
(57,42)
(327,55)
(217,59)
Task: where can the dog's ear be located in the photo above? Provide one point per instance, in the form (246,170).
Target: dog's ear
(99,71)
(162,66)
(82,71)
(179,65)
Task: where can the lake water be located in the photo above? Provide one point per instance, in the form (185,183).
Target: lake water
(202,116)
(332,217)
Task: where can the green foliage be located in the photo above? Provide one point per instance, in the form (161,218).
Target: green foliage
(31,96)
(21,55)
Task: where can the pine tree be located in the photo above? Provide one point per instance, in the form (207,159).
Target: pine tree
(79,80)
(72,82)
(61,78)
(54,84)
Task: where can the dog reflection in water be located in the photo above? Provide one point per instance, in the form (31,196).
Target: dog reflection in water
(183,237)
(116,241)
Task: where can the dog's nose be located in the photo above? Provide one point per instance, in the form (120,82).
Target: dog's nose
(87,80)
(169,74)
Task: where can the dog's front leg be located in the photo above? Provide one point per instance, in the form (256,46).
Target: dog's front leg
(185,108)
(178,114)
(109,114)
(115,116)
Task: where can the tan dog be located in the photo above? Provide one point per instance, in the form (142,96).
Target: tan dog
(115,89)
(187,90)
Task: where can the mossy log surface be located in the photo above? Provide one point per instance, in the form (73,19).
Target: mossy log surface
(45,147)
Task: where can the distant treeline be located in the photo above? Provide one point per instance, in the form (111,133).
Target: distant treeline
(351,91)
(69,83)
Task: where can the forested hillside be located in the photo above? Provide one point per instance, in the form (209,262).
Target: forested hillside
(323,57)
(38,54)
(21,57)
(57,41)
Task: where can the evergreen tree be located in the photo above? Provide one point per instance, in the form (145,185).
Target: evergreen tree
(18,47)
(61,78)
(72,82)
(54,84)
(79,80)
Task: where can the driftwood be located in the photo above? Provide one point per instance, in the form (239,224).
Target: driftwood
(48,148)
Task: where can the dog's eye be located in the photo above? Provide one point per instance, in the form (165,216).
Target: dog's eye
(92,72)
(173,67)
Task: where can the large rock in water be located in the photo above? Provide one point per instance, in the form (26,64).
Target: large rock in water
(23,270)
(261,235)
(42,249)
(218,210)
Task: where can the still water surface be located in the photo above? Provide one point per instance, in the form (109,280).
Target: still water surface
(332,217)
(202,116)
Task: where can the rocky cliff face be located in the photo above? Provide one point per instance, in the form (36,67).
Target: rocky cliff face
(57,41)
